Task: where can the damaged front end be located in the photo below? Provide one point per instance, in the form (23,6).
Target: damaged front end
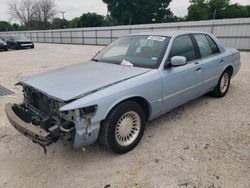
(40,119)
(21,118)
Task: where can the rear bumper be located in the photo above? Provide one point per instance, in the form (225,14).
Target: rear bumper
(36,134)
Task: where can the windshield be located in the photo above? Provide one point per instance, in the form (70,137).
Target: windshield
(3,38)
(139,51)
(19,37)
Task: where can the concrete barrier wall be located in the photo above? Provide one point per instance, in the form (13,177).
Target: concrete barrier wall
(233,33)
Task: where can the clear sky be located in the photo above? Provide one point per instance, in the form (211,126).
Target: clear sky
(74,8)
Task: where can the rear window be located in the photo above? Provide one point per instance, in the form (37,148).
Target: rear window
(213,45)
(206,45)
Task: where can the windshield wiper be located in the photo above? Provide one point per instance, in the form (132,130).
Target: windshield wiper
(96,60)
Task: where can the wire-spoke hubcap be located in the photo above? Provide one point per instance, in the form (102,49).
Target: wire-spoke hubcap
(224,83)
(128,128)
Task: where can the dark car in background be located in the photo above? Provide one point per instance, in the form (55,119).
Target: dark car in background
(3,45)
(5,39)
(19,42)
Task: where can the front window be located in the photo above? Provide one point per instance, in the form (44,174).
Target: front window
(183,46)
(138,51)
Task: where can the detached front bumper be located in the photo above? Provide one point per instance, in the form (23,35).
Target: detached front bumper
(19,117)
(36,134)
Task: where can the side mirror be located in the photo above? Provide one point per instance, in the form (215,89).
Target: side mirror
(178,61)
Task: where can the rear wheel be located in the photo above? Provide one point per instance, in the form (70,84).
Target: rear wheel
(123,128)
(223,85)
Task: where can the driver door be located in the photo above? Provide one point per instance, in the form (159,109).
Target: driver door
(183,83)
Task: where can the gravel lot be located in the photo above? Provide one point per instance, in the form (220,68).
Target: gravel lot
(204,143)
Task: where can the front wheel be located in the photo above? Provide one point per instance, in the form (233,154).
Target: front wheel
(123,128)
(223,85)
(17,47)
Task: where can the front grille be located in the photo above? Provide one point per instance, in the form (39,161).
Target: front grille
(38,100)
(41,102)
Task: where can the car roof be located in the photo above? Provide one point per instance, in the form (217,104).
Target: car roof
(168,33)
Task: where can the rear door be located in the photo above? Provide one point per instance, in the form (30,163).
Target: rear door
(211,59)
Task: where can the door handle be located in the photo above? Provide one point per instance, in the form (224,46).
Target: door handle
(222,61)
(198,69)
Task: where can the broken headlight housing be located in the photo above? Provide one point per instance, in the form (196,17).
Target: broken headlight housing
(88,111)
(82,113)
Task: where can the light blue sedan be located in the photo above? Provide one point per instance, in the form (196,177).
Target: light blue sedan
(133,80)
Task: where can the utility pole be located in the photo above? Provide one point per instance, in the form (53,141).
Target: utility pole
(212,23)
(215,11)
(63,12)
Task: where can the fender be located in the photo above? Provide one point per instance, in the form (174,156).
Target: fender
(147,86)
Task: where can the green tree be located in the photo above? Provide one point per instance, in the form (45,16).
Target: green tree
(91,20)
(139,11)
(16,27)
(110,21)
(248,10)
(198,10)
(75,23)
(5,26)
(59,23)
(218,9)
(236,11)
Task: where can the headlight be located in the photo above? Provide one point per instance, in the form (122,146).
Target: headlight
(88,111)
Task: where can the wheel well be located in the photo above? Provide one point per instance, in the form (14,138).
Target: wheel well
(142,102)
(230,69)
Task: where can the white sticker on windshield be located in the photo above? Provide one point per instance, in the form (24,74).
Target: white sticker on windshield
(157,38)
(126,63)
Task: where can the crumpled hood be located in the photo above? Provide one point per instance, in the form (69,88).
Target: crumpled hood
(75,81)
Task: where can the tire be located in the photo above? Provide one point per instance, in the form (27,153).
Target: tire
(17,47)
(220,90)
(118,133)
